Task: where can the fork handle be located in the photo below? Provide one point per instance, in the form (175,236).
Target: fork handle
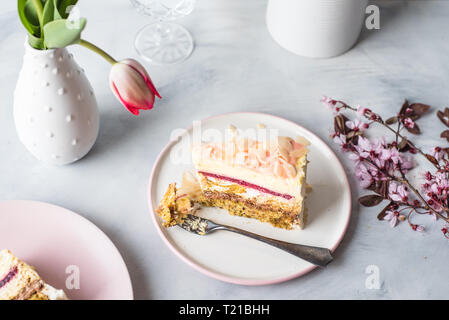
(316,255)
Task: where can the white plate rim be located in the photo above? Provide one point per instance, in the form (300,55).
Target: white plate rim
(221,277)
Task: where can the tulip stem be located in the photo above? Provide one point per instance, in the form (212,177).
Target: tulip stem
(95,49)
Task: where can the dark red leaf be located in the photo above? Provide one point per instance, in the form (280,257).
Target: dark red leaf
(375,186)
(370,200)
(383,213)
(445,134)
(408,146)
(351,134)
(391,120)
(380,187)
(414,130)
(440,116)
(419,108)
(404,107)
(432,159)
(403,144)
(383,191)
(340,124)
(444,116)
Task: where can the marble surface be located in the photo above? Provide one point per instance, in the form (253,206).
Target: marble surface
(236,66)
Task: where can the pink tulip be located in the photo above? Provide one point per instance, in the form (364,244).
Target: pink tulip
(132,85)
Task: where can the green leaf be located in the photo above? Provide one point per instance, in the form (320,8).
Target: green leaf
(56,11)
(31,14)
(32,29)
(49,10)
(62,33)
(35,42)
(62,8)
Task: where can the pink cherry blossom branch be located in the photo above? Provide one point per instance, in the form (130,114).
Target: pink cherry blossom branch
(368,114)
(405,181)
(382,167)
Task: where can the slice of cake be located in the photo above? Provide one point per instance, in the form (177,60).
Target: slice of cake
(19,281)
(264,180)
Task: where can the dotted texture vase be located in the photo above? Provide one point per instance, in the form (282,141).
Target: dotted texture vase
(55,110)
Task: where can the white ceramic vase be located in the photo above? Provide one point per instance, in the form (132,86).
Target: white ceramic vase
(316,28)
(55,110)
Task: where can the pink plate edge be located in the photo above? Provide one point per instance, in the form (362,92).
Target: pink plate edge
(220,276)
(85,220)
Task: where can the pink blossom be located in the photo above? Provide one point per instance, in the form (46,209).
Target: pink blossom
(361,111)
(364,144)
(398,192)
(328,102)
(356,125)
(437,153)
(391,154)
(417,227)
(436,189)
(392,216)
(375,173)
(407,162)
(372,150)
(356,158)
(428,176)
(132,85)
(365,177)
(379,145)
(442,180)
(435,205)
(341,141)
(409,123)
(426,187)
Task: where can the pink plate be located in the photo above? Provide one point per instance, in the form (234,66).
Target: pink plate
(66,249)
(230,257)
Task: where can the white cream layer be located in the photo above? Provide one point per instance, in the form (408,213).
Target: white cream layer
(290,186)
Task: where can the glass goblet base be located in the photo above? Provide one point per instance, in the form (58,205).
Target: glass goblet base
(164,43)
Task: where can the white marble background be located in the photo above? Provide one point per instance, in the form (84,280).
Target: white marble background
(236,66)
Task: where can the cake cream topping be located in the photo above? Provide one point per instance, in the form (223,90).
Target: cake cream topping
(278,157)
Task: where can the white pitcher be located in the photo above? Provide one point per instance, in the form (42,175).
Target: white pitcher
(316,28)
(55,110)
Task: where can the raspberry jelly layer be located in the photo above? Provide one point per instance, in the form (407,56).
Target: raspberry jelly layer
(246,184)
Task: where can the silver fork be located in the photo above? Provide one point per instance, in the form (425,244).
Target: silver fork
(316,255)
